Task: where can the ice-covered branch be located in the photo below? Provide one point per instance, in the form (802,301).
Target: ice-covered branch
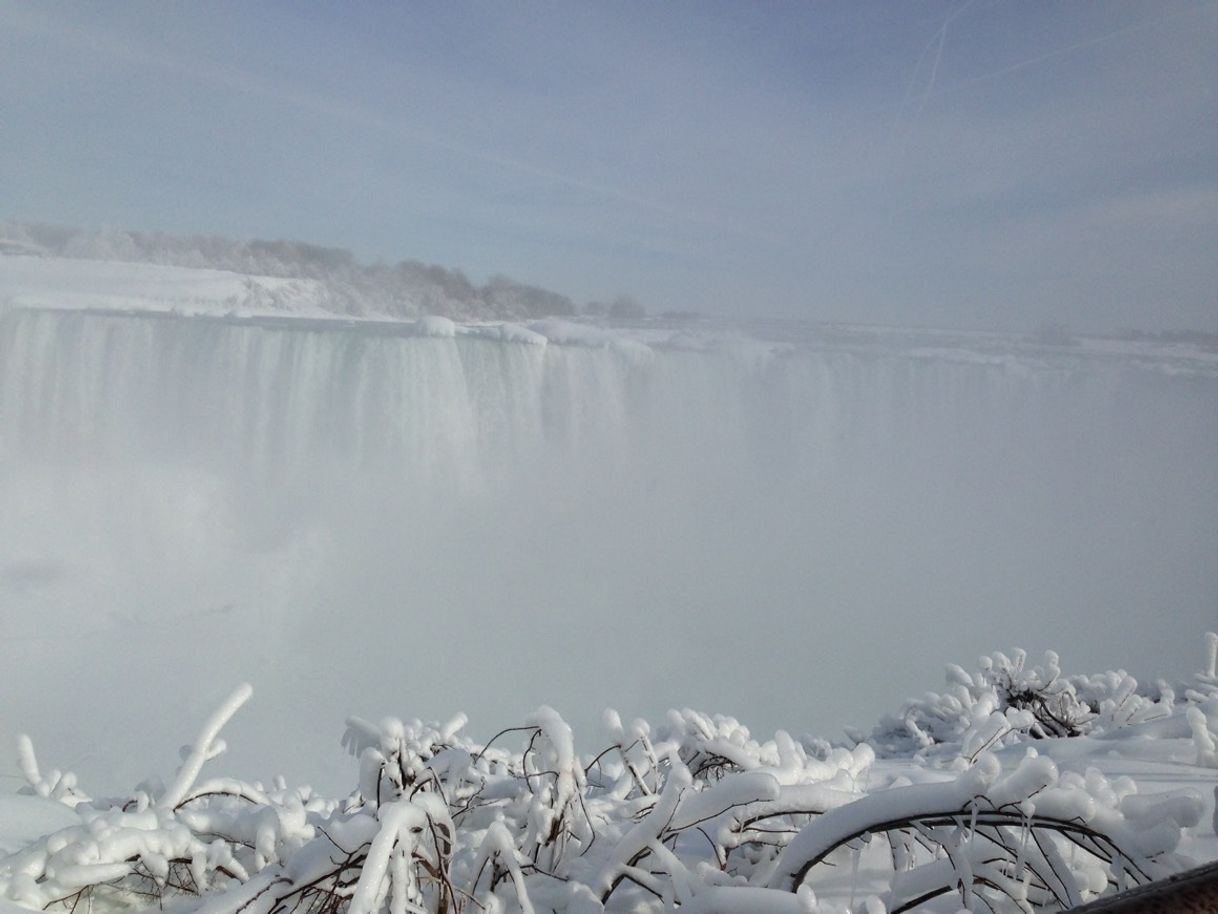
(691,814)
(205,747)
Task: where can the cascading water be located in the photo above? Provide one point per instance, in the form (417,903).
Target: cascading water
(362,521)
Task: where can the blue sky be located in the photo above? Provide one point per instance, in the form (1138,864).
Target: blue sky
(974,164)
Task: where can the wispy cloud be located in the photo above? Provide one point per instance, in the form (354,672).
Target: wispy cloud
(1073,48)
(124,48)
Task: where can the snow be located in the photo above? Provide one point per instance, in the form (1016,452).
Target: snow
(64,283)
(25,819)
(29,280)
(1042,822)
(206,747)
(1203,738)
(568,333)
(433,325)
(506,333)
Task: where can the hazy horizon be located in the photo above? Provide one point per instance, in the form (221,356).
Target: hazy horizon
(1050,330)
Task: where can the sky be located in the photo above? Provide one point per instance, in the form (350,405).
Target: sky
(978,164)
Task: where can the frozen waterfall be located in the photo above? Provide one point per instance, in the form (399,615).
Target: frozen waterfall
(362,520)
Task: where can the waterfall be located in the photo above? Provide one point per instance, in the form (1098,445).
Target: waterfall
(365,521)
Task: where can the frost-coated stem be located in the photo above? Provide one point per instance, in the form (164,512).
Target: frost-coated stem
(27,761)
(201,751)
(1207,748)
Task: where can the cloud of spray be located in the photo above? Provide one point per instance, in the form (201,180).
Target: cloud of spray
(376,524)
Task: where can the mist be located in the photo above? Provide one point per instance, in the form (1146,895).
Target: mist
(364,521)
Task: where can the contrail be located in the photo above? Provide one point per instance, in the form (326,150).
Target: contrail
(934,74)
(913,79)
(1070,49)
(934,70)
(938,42)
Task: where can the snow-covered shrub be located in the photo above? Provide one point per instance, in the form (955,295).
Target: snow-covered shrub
(1006,700)
(149,846)
(692,813)
(1032,836)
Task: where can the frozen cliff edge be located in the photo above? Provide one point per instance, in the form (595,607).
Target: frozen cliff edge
(115,288)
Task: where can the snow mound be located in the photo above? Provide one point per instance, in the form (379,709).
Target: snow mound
(506,333)
(66,284)
(436,326)
(569,333)
(26,819)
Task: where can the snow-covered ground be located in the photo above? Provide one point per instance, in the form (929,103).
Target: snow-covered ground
(29,280)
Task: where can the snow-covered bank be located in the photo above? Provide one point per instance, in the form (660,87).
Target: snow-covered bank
(691,813)
(58,282)
(29,281)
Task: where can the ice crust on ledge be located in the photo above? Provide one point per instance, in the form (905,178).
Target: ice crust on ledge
(58,283)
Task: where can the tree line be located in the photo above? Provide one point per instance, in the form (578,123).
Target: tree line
(407,288)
